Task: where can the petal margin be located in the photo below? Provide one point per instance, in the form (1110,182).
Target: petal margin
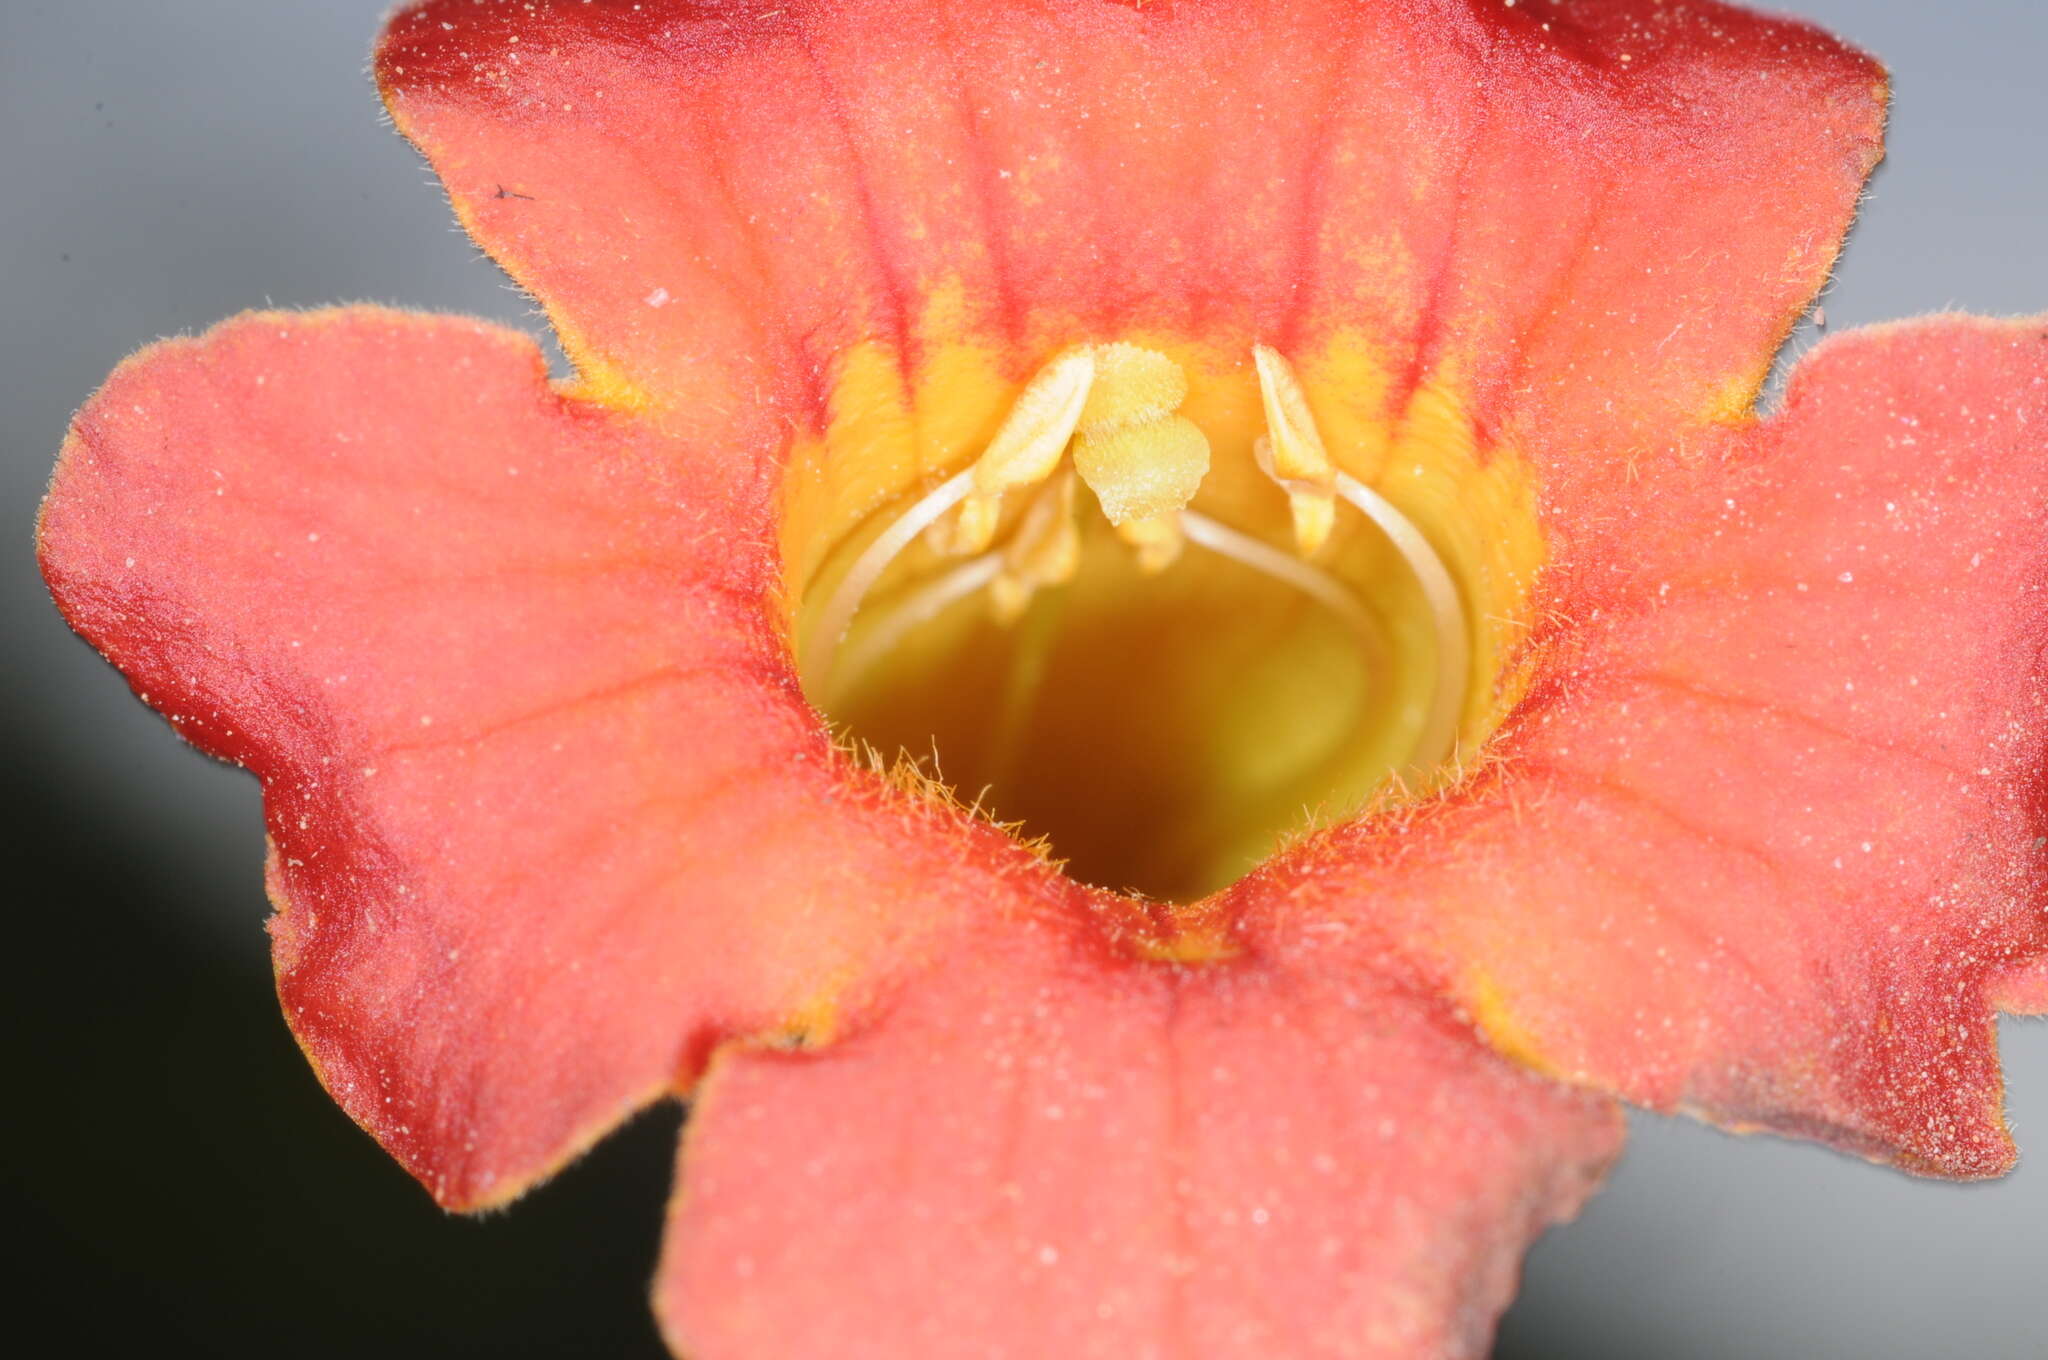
(548,819)
(1771,841)
(1041,1150)
(2023,991)
(1601,217)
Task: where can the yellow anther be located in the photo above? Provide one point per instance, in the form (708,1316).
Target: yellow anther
(1292,451)
(1008,598)
(1026,448)
(1047,545)
(1158,541)
(1132,385)
(972,528)
(1045,551)
(1028,445)
(1312,508)
(1115,405)
(1298,452)
(1143,471)
(1314,514)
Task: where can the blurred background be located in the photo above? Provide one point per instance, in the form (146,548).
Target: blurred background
(182,1183)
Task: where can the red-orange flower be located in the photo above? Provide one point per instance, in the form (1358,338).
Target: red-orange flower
(1699,760)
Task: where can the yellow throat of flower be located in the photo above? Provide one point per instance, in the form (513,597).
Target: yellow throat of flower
(1160,606)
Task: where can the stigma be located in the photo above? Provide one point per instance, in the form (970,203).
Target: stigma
(1109,416)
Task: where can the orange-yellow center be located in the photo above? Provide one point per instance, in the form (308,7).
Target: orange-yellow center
(1159,604)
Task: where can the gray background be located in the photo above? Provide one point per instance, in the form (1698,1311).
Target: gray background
(163,165)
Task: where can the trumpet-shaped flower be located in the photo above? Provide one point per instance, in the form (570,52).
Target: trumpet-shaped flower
(1373,691)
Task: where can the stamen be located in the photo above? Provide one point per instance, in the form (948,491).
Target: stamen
(1028,446)
(1311,507)
(821,644)
(927,601)
(1438,741)
(924,603)
(1158,540)
(1298,452)
(1147,462)
(1293,454)
(1267,560)
(1295,457)
(1045,551)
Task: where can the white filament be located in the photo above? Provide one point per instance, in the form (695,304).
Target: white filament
(919,606)
(823,641)
(842,667)
(1267,560)
(1438,740)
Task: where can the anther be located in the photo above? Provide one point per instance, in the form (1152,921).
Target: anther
(1027,447)
(1144,462)
(821,645)
(1292,451)
(1044,551)
(1158,540)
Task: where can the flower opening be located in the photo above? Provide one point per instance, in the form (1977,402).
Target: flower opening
(1165,675)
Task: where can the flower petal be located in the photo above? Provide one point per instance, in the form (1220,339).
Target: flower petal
(547,817)
(1602,217)
(1768,843)
(2024,990)
(1043,1150)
